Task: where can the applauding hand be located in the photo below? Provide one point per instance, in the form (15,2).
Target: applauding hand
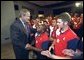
(46,53)
(68,52)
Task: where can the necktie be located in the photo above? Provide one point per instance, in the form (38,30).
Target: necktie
(27,29)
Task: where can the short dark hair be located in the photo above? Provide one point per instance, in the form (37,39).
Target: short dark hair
(43,27)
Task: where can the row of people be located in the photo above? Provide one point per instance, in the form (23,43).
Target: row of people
(44,37)
(56,28)
(76,23)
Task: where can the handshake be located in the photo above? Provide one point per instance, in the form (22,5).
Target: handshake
(30,47)
(45,53)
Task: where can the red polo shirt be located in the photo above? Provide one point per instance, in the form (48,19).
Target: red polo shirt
(62,41)
(40,39)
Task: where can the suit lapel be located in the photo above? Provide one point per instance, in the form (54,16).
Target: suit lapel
(22,28)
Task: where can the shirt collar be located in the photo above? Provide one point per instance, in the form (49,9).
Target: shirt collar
(22,22)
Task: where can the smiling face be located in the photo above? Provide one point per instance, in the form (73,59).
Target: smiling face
(63,20)
(25,15)
(61,23)
(39,28)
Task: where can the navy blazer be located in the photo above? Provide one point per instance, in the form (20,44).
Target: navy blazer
(18,34)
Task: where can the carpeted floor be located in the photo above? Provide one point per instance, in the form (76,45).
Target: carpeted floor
(8,53)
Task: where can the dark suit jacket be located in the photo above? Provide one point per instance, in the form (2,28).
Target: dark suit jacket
(19,38)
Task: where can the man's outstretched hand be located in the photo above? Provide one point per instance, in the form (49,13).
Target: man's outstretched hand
(30,47)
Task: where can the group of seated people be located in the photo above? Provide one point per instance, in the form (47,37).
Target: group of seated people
(55,39)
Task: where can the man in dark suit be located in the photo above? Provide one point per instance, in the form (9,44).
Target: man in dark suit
(19,33)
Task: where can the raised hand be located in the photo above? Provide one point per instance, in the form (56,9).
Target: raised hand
(30,47)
